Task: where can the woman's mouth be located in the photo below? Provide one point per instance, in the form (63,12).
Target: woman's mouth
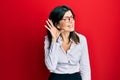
(70,26)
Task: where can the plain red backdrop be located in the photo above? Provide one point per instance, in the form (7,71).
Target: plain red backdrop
(22,37)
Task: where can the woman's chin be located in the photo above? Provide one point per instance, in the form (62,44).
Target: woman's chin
(70,30)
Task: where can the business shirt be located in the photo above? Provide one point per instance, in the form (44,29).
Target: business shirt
(76,59)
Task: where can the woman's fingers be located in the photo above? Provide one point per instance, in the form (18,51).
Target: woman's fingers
(51,23)
(53,30)
(47,27)
(48,24)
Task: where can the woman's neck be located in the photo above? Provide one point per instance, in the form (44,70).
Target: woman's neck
(65,36)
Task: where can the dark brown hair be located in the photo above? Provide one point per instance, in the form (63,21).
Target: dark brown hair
(56,15)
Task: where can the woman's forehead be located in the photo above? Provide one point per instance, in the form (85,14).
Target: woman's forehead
(68,14)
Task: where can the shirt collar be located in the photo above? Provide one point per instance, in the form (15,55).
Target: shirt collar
(59,40)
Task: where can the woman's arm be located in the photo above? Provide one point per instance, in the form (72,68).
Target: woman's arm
(84,61)
(51,56)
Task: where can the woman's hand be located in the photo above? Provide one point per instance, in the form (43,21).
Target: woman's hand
(53,30)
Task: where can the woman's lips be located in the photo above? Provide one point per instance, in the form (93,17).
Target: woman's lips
(70,26)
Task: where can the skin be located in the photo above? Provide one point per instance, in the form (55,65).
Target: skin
(66,25)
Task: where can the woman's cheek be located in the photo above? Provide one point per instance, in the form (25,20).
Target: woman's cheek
(63,26)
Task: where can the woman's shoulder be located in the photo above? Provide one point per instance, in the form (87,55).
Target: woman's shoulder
(46,37)
(81,36)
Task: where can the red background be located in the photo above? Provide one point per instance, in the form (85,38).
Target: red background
(22,35)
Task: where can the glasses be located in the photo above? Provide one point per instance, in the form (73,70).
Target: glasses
(68,19)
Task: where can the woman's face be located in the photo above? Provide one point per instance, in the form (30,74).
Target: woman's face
(67,22)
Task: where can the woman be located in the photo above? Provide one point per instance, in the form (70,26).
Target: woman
(66,52)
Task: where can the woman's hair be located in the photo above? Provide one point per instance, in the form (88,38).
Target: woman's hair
(56,15)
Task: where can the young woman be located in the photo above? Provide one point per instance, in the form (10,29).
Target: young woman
(66,52)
